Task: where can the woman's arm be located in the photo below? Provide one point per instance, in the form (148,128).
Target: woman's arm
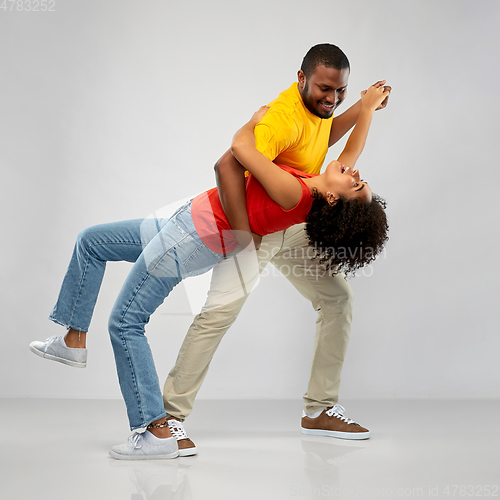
(341,124)
(282,187)
(371,99)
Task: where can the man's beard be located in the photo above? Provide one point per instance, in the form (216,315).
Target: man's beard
(308,104)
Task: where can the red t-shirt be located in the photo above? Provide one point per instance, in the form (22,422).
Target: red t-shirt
(264,214)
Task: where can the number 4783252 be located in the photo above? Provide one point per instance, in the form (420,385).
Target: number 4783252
(28,5)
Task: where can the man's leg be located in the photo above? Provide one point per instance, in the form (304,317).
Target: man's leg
(232,281)
(332,298)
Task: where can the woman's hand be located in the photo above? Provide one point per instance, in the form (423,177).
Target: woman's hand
(376,96)
(372,99)
(244,137)
(388,89)
(257,116)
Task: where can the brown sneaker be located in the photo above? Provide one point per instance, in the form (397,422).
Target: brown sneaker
(186,446)
(332,422)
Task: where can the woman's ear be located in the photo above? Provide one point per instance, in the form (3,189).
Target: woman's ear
(331,199)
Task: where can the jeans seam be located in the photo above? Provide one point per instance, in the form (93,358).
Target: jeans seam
(80,286)
(125,348)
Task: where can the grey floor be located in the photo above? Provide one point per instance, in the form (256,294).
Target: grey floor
(57,449)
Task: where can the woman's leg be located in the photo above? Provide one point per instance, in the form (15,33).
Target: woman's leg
(75,339)
(94,247)
(74,308)
(174,253)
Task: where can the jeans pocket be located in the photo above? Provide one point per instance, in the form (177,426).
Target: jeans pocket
(201,260)
(183,219)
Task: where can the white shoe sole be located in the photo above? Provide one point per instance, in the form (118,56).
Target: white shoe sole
(336,434)
(187,452)
(119,456)
(75,364)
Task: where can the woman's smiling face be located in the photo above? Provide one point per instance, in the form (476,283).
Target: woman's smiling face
(345,182)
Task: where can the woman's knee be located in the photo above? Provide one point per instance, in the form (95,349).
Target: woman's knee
(116,322)
(86,237)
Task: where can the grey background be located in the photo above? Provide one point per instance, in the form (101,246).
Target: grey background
(112,109)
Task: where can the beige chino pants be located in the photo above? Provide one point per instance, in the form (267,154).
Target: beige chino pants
(232,281)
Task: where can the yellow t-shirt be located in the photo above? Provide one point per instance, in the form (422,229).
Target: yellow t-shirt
(290,134)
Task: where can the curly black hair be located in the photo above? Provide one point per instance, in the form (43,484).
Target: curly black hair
(349,234)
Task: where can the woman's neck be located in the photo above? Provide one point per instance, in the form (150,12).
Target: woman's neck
(315,183)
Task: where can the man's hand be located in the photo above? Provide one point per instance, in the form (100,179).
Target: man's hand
(257,240)
(247,240)
(387,88)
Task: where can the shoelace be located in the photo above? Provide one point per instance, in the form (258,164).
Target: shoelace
(49,341)
(177,429)
(338,412)
(135,440)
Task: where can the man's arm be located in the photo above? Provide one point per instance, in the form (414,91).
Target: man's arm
(230,177)
(343,123)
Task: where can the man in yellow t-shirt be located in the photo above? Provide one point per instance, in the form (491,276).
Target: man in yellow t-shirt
(297,131)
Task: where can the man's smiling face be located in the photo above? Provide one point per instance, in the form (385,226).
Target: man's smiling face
(324,90)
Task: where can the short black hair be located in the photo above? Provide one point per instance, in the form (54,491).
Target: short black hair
(324,54)
(349,234)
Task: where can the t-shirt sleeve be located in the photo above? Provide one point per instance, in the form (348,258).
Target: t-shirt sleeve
(274,134)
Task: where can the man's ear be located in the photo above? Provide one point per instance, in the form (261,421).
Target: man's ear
(302,79)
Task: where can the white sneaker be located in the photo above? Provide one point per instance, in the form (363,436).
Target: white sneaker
(55,348)
(186,446)
(145,446)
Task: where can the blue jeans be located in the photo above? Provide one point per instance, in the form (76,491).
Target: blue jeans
(164,252)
